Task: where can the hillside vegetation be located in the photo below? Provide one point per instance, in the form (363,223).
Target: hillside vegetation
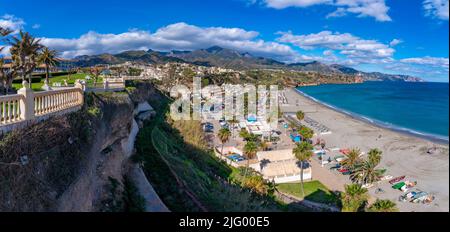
(187,176)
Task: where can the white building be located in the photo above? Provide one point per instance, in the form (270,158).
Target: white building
(281,166)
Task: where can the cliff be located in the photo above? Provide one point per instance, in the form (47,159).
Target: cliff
(77,162)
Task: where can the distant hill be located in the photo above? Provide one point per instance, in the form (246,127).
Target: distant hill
(314,66)
(227,58)
(145,57)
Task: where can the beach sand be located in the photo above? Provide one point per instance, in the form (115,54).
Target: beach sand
(402,154)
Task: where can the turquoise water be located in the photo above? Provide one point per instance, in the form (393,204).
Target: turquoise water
(418,108)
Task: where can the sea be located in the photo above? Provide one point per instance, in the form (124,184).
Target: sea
(417,108)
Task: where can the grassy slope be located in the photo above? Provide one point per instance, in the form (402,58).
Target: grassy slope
(314,191)
(199,171)
(70,80)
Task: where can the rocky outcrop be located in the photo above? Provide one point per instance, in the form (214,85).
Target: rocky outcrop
(78,162)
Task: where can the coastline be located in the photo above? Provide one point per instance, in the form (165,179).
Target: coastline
(406,131)
(403,154)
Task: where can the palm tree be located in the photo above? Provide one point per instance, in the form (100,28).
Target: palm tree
(24,51)
(354,198)
(48,58)
(353,159)
(305,132)
(367,173)
(300,115)
(224,135)
(233,123)
(383,206)
(303,152)
(374,156)
(3,76)
(3,33)
(250,150)
(264,146)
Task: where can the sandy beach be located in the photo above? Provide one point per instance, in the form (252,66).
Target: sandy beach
(402,154)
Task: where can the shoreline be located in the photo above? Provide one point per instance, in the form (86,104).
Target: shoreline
(384,125)
(403,154)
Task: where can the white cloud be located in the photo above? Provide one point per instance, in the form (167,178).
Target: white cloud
(5,51)
(362,8)
(339,12)
(395,42)
(179,36)
(440,62)
(352,47)
(281,4)
(430,68)
(36,26)
(11,22)
(436,8)
(327,52)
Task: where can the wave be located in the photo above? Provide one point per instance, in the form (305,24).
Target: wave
(386,125)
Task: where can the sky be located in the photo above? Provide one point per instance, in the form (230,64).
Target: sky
(392,36)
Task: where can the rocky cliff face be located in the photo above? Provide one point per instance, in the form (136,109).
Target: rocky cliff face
(106,159)
(76,162)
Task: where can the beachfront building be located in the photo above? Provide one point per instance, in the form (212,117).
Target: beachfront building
(281,166)
(258,126)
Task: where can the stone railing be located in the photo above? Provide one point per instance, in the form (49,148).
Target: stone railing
(26,107)
(10,109)
(57,100)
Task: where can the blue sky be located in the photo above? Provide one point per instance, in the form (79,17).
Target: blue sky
(393,36)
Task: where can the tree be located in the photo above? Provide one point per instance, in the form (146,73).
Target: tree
(48,58)
(383,206)
(306,132)
(24,51)
(224,135)
(354,198)
(95,72)
(250,150)
(303,152)
(374,156)
(264,146)
(300,115)
(188,74)
(256,183)
(118,70)
(244,133)
(3,75)
(367,173)
(233,123)
(353,159)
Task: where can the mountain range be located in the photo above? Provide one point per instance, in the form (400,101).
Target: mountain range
(227,58)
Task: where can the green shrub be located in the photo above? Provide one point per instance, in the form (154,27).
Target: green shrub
(94,112)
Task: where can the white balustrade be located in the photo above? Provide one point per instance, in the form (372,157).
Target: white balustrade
(27,105)
(56,100)
(10,109)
